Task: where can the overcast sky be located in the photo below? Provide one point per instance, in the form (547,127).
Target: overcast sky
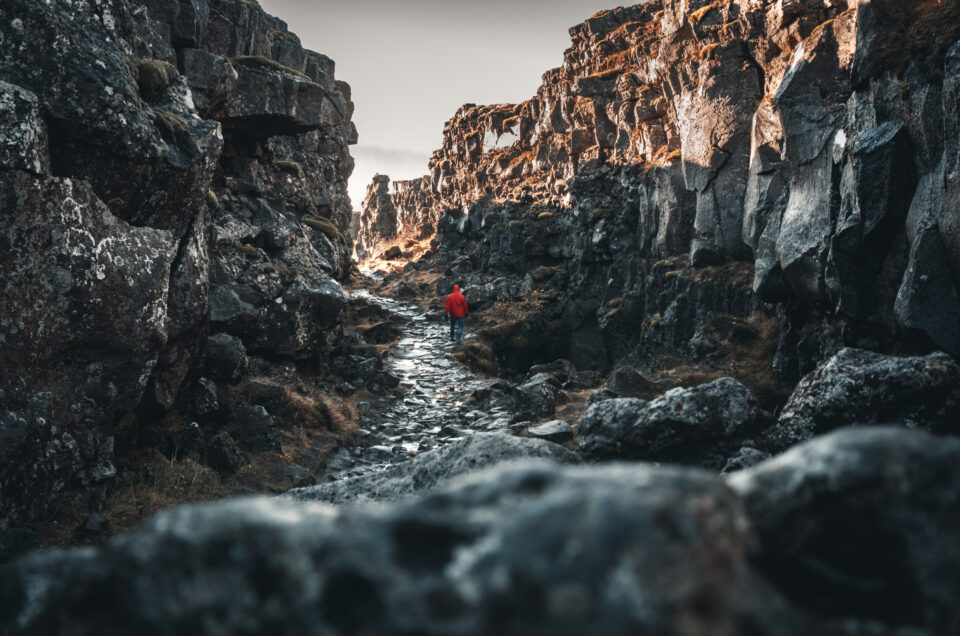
(412,63)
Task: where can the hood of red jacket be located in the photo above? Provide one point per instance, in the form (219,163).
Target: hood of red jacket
(456,289)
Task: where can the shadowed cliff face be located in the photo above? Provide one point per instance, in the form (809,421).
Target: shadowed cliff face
(814,140)
(169,170)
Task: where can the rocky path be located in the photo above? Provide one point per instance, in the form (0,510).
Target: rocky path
(429,413)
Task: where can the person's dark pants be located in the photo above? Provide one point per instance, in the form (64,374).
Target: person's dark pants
(456,327)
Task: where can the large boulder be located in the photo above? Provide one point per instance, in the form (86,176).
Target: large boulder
(698,425)
(534,549)
(433,468)
(862,387)
(538,396)
(273,99)
(862,522)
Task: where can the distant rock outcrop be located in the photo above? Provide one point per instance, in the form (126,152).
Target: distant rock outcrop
(168,169)
(378,220)
(409,211)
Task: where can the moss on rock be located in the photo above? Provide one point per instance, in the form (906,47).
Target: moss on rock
(290,167)
(173,128)
(249,251)
(326,226)
(287,274)
(154,76)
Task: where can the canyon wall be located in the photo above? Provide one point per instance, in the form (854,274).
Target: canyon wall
(691,158)
(173,186)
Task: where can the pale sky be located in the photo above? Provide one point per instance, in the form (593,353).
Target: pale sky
(412,63)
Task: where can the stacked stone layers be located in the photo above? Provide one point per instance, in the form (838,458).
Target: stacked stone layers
(815,139)
(168,169)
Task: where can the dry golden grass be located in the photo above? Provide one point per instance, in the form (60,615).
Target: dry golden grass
(748,346)
(478,357)
(162,483)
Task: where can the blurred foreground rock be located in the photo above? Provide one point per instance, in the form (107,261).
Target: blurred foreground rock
(851,533)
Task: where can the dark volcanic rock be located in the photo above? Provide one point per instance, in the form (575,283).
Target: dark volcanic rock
(862,387)
(538,396)
(862,522)
(433,468)
(695,425)
(381,333)
(591,545)
(852,533)
(223,454)
(254,429)
(136,163)
(24,130)
(626,382)
(745,458)
(83,319)
(226,357)
(154,158)
(16,542)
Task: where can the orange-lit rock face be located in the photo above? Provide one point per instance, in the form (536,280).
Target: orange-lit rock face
(393,216)
(812,138)
(658,84)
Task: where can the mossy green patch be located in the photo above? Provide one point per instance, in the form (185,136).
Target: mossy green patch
(325,226)
(155,76)
(290,167)
(287,274)
(282,36)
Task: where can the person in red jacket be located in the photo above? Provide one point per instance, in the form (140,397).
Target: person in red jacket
(456,311)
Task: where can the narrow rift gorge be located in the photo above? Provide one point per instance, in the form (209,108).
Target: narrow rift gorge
(708,381)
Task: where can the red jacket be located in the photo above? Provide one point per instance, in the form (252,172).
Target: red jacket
(456,304)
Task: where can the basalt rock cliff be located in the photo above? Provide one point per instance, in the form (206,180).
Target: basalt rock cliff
(690,159)
(173,194)
(407,212)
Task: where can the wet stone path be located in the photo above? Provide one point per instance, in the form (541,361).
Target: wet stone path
(428,414)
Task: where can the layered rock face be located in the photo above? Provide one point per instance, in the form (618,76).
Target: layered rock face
(408,211)
(168,169)
(814,140)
